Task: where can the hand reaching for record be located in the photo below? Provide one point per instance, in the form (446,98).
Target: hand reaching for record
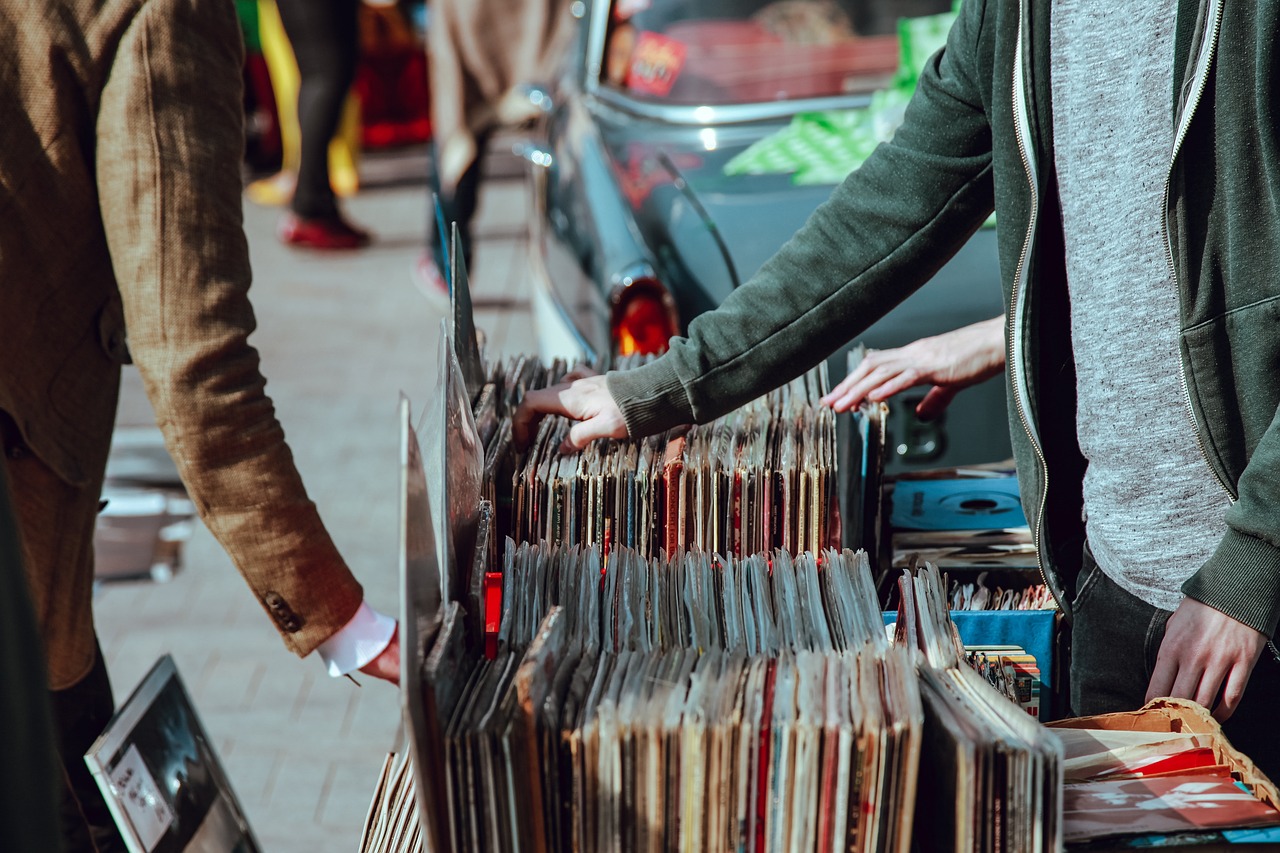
(587,401)
(950,363)
(387,664)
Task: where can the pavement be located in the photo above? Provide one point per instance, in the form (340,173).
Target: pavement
(341,335)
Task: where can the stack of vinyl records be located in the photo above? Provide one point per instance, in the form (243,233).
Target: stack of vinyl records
(653,646)
(759,478)
(392,823)
(960,518)
(996,774)
(1164,770)
(709,703)
(698,704)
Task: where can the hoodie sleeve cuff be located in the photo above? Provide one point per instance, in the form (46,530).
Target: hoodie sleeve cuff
(651,397)
(1241,579)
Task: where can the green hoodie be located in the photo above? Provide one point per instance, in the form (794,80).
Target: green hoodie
(977,136)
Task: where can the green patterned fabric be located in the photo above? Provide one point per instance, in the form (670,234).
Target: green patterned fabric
(824,147)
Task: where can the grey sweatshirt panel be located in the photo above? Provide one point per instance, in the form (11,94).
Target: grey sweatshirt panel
(1154,509)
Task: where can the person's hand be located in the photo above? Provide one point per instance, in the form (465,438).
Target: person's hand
(579,371)
(950,363)
(1205,655)
(587,401)
(386,665)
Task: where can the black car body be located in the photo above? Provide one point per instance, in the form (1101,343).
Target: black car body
(638,229)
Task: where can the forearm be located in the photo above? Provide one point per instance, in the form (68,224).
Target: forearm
(1242,578)
(884,232)
(169,143)
(860,254)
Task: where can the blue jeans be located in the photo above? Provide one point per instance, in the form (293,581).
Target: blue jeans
(1115,638)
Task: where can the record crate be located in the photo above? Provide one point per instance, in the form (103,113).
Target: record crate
(968,522)
(548,601)
(607,683)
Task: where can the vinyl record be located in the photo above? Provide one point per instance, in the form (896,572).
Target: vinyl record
(968,504)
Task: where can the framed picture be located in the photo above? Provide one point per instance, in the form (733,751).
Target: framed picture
(161,777)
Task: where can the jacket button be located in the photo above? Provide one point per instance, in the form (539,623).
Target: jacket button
(283,613)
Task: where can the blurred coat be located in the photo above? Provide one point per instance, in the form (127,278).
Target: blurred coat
(479,53)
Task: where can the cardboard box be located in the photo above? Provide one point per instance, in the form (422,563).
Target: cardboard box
(1183,715)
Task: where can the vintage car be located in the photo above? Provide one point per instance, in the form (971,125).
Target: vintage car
(641,220)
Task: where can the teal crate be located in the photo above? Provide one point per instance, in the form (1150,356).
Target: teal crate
(1030,629)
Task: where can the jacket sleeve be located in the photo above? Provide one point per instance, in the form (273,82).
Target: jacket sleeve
(169,140)
(1242,577)
(882,234)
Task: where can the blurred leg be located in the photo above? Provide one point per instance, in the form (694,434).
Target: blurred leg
(56,522)
(30,772)
(80,713)
(277,190)
(459,207)
(325,42)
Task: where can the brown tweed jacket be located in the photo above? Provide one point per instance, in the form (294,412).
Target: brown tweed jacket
(120,142)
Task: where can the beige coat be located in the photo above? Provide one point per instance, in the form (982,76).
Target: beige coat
(479,52)
(120,143)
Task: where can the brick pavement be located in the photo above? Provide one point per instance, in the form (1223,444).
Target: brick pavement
(340,337)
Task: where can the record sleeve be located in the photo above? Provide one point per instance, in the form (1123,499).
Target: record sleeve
(161,777)
(466,341)
(1161,806)
(968,504)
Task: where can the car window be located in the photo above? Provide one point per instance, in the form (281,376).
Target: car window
(694,52)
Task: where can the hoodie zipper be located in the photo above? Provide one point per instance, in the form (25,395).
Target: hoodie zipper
(1204,61)
(1022,132)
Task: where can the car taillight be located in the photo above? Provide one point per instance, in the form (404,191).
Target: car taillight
(643,319)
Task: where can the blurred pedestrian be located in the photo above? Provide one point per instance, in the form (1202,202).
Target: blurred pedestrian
(121,132)
(282,90)
(481,57)
(326,42)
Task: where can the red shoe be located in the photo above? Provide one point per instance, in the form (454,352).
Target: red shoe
(430,283)
(327,233)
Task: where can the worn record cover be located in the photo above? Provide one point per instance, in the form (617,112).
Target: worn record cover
(1160,805)
(466,340)
(444,681)
(421,586)
(454,466)
(160,775)
(862,455)
(533,680)
(967,504)
(673,482)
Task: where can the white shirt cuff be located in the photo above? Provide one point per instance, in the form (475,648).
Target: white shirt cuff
(361,640)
